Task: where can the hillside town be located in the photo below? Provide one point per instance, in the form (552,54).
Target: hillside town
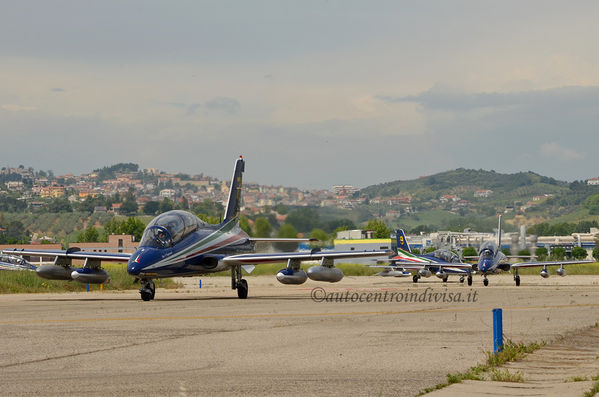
(37,188)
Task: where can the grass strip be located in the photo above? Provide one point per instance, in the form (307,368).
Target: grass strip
(17,282)
(511,352)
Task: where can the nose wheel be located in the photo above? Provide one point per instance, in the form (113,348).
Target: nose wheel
(415,278)
(469,280)
(486,281)
(238,283)
(147,290)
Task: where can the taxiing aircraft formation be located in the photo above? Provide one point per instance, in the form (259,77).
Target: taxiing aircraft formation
(443,262)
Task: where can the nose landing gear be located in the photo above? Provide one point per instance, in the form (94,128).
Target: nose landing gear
(147,290)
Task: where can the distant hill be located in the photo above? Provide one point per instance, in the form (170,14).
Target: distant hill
(462,181)
(526,198)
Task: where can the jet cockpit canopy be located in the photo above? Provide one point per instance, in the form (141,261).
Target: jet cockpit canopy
(169,228)
(446,255)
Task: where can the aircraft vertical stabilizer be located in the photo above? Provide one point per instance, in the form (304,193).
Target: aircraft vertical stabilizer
(234,202)
(402,242)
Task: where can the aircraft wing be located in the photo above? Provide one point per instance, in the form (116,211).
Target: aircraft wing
(549,263)
(72,253)
(281,240)
(450,268)
(417,266)
(433,267)
(251,259)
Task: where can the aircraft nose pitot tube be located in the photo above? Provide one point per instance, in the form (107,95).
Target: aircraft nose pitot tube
(289,276)
(323,273)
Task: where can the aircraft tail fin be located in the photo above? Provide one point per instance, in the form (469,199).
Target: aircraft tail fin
(402,242)
(234,202)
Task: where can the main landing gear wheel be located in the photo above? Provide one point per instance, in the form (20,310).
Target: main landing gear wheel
(147,290)
(242,289)
(415,278)
(444,279)
(486,282)
(517,280)
(462,279)
(469,280)
(238,283)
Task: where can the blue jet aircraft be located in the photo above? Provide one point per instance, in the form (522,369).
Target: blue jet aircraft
(492,261)
(177,243)
(441,263)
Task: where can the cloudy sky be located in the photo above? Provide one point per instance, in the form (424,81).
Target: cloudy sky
(312,93)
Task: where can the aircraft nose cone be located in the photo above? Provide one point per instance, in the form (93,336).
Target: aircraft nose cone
(134,266)
(484,265)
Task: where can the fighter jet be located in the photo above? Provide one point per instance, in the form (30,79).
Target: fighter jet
(492,261)
(442,263)
(177,243)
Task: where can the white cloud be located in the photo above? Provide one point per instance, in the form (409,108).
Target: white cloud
(556,151)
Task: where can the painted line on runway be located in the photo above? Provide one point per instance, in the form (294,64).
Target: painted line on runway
(293,315)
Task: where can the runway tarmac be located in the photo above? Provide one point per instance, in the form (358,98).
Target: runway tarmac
(279,341)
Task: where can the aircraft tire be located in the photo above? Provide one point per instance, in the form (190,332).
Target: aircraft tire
(146,296)
(462,279)
(469,280)
(486,282)
(517,279)
(242,289)
(415,278)
(444,279)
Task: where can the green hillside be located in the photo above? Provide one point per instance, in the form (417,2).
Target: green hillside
(447,200)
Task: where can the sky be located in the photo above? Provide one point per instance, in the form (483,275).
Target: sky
(311,93)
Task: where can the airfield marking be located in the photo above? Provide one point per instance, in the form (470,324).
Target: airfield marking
(292,315)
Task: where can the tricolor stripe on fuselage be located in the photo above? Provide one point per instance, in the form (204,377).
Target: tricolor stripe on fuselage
(407,256)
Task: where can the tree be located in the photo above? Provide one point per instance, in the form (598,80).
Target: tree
(166,205)
(541,253)
(89,235)
(596,253)
(131,226)
(304,219)
(287,231)
(244,224)
(151,208)
(524,252)
(134,227)
(129,206)
(469,251)
(379,227)
(322,236)
(208,207)
(558,253)
(262,227)
(592,204)
(579,253)
(60,205)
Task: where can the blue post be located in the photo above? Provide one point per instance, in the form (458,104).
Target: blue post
(87,287)
(497,331)
(200,283)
